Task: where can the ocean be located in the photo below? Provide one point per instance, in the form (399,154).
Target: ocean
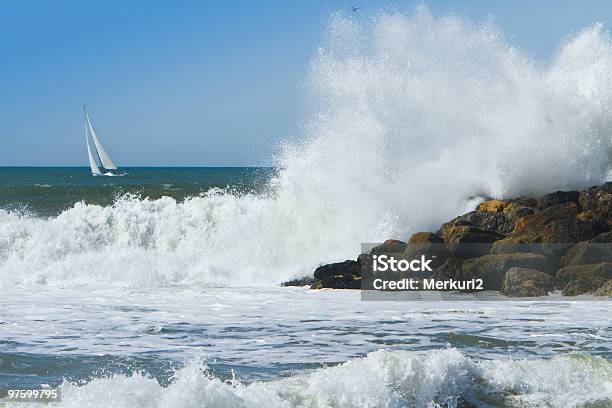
(91,305)
(162,288)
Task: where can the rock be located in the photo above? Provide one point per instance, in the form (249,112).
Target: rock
(492,268)
(390,246)
(424,238)
(451,269)
(464,241)
(428,244)
(554,225)
(603,238)
(587,252)
(523,282)
(605,290)
(514,211)
(590,271)
(581,286)
(341,275)
(492,206)
(597,202)
(559,197)
(485,220)
(525,202)
(307,281)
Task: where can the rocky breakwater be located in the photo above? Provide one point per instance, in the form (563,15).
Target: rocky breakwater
(522,247)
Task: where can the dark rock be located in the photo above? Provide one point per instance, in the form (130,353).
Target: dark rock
(525,202)
(605,290)
(451,269)
(554,225)
(341,275)
(597,202)
(591,271)
(587,252)
(486,220)
(514,211)
(603,238)
(390,246)
(492,268)
(559,197)
(465,241)
(522,282)
(307,281)
(428,244)
(581,286)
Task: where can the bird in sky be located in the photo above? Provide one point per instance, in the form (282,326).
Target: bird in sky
(354,8)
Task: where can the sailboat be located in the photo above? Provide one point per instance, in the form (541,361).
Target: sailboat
(106,167)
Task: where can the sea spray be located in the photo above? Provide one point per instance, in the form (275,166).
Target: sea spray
(412,116)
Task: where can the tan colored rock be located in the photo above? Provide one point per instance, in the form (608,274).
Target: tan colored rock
(492,206)
(590,271)
(605,290)
(524,282)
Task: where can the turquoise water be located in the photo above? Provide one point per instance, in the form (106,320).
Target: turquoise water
(47,191)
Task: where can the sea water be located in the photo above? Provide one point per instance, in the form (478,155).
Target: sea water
(161,288)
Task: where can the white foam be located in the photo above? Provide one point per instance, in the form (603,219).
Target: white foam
(412,116)
(382,379)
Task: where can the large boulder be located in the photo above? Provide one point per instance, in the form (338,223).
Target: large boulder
(596,202)
(451,269)
(492,268)
(340,275)
(390,246)
(581,286)
(516,210)
(464,241)
(591,271)
(485,220)
(559,197)
(428,244)
(523,282)
(596,250)
(551,231)
(605,290)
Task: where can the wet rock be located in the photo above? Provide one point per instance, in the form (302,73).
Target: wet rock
(340,275)
(492,268)
(390,246)
(523,282)
(485,220)
(559,197)
(556,225)
(589,252)
(492,206)
(605,289)
(428,244)
(514,211)
(581,286)
(451,269)
(465,241)
(591,271)
(597,202)
(307,281)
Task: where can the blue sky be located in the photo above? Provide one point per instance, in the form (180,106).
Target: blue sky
(194,82)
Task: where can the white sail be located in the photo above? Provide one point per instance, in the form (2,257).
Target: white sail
(105,159)
(92,162)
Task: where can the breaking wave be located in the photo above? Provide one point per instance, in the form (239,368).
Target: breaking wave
(412,116)
(441,378)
